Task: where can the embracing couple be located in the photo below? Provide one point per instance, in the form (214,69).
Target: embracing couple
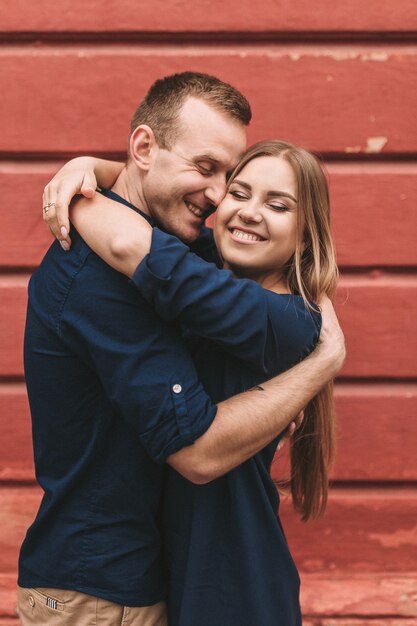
(165,366)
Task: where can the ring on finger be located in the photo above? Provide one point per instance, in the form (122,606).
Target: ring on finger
(47,206)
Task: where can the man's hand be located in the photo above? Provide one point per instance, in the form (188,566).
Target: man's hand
(75,177)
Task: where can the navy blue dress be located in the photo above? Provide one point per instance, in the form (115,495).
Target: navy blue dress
(228,559)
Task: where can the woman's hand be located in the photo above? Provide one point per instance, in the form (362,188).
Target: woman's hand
(78,176)
(290,430)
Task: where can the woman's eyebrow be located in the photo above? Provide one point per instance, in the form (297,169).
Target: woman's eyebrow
(241,183)
(283,194)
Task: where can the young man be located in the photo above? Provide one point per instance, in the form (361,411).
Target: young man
(113,391)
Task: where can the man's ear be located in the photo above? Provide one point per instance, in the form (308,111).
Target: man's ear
(142,143)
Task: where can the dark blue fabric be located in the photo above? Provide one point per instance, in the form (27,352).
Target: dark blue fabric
(229,563)
(102,374)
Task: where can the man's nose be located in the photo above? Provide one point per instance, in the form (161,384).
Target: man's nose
(216,190)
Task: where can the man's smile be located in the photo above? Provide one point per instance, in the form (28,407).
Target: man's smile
(196,210)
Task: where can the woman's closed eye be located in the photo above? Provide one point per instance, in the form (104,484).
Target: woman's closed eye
(239,195)
(278,207)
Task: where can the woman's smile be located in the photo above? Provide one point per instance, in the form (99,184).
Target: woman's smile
(245,236)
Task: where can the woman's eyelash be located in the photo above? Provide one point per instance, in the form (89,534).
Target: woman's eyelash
(279,207)
(238,194)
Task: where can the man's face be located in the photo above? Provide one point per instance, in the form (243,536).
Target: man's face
(185,183)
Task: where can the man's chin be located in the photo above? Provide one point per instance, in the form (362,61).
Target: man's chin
(189,234)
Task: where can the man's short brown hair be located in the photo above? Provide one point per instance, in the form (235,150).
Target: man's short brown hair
(162,104)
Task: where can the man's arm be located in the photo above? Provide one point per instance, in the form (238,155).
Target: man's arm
(246,423)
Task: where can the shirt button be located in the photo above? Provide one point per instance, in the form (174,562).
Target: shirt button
(31,601)
(177,388)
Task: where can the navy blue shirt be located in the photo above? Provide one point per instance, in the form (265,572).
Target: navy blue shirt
(113,391)
(229,563)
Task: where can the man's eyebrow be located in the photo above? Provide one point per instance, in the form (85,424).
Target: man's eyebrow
(216,161)
(206,157)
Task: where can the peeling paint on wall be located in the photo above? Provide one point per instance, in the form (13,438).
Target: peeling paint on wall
(375,144)
(353,149)
(393,540)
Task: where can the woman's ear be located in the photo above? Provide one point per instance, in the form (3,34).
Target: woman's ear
(141,144)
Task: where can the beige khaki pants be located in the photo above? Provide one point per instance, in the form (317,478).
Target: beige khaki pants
(59,607)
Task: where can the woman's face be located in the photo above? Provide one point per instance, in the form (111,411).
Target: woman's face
(256,223)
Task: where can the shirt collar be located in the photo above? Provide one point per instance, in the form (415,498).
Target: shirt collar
(112,195)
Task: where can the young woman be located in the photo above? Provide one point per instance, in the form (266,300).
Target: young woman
(227,557)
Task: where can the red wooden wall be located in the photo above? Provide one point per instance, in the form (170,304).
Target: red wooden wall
(336,77)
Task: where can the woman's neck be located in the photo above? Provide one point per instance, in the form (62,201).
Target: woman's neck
(271,281)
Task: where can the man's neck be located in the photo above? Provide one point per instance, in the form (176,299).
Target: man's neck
(128,186)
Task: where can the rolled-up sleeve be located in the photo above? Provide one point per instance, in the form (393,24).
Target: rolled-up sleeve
(141,362)
(238,314)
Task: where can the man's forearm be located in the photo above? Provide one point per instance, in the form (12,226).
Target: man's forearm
(249,421)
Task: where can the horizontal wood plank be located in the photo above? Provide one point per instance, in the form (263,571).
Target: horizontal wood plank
(18,506)
(366,200)
(376,433)
(13,301)
(363,531)
(207,16)
(377,314)
(298,93)
(8,597)
(319,620)
(378,318)
(377,596)
(373,213)
(16,455)
(381,621)
(375,436)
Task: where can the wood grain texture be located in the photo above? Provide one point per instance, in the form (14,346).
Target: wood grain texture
(357,561)
(373,213)
(304,94)
(366,202)
(376,427)
(377,314)
(125,16)
(369,597)
(375,440)
(378,596)
(13,300)
(16,454)
(364,530)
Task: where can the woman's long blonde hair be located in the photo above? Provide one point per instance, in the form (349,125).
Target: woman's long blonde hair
(311,272)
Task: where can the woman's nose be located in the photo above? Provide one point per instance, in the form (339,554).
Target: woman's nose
(249,214)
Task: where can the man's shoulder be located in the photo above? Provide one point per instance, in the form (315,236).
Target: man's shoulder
(77,280)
